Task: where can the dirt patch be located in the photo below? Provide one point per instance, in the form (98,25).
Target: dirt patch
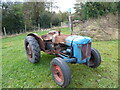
(103,28)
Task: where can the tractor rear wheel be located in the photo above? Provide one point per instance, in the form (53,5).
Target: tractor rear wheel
(60,72)
(95,59)
(32,49)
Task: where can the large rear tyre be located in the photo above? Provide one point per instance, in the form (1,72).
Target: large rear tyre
(60,72)
(32,49)
(95,59)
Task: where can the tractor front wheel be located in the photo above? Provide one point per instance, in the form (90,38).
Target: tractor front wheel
(60,72)
(95,59)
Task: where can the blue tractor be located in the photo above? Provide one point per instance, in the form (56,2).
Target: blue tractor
(66,48)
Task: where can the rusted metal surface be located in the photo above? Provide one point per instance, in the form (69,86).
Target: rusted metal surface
(52,37)
(86,50)
(89,50)
(49,35)
(53,52)
(60,39)
(46,37)
(55,36)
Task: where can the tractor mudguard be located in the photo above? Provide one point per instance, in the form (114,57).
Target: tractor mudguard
(39,39)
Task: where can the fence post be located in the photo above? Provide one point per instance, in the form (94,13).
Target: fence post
(5,31)
(25,28)
(38,27)
(61,24)
(51,25)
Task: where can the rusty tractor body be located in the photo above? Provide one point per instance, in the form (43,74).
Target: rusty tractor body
(51,42)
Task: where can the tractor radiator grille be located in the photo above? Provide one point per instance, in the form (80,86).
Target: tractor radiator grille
(86,50)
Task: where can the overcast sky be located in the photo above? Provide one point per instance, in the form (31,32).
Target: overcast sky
(62,4)
(65,4)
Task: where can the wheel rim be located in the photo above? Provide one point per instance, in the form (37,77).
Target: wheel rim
(57,73)
(29,50)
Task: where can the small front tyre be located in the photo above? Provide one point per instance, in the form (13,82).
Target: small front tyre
(60,72)
(95,59)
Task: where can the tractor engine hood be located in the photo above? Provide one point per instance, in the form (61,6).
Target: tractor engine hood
(75,39)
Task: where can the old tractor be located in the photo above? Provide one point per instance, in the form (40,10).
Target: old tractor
(67,49)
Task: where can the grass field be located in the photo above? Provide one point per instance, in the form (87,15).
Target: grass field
(18,72)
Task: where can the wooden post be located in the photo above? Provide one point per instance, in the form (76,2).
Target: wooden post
(51,25)
(38,27)
(20,30)
(5,31)
(70,24)
(25,28)
(2,34)
(34,28)
(61,24)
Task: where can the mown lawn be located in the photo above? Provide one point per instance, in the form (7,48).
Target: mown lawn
(18,72)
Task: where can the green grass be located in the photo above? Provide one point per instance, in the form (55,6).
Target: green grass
(18,72)
(0,63)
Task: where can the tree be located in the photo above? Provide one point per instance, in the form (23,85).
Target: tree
(55,19)
(17,16)
(63,16)
(50,5)
(95,9)
(12,17)
(32,12)
(45,19)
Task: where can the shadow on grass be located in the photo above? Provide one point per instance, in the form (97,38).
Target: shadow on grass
(45,59)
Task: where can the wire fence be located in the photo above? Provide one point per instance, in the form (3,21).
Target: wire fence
(6,33)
